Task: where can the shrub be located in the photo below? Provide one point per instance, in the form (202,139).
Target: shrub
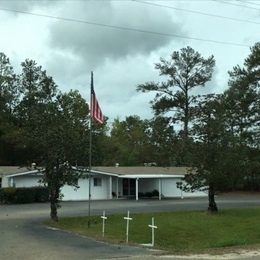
(25,195)
(1,195)
(8,195)
(148,194)
(155,193)
(41,194)
(141,194)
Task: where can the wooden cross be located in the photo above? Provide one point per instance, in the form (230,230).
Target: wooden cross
(153,227)
(127,225)
(103,226)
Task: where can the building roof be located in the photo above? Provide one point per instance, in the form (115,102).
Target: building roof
(121,171)
(142,170)
(8,170)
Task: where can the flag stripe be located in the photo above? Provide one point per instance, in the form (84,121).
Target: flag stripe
(95,110)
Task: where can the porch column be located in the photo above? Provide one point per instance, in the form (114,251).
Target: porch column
(110,187)
(160,189)
(136,188)
(117,187)
(11,182)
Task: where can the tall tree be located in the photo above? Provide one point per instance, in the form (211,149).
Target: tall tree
(185,71)
(9,96)
(38,90)
(213,156)
(243,100)
(53,128)
(129,140)
(163,142)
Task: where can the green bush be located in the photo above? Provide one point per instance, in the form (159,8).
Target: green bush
(8,195)
(41,194)
(148,194)
(25,195)
(141,194)
(155,193)
(1,195)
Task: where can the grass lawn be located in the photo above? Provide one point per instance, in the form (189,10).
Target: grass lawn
(187,231)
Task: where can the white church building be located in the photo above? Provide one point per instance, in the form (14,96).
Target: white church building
(109,182)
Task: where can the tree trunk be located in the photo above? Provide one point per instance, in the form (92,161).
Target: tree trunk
(54,199)
(212,204)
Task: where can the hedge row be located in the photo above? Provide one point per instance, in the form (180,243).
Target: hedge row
(23,195)
(149,194)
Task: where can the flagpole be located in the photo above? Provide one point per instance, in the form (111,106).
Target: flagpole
(97,116)
(90,153)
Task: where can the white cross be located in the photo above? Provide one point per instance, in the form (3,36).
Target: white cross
(153,227)
(103,227)
(127,225)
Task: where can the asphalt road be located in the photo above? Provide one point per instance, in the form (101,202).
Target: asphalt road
(23,236)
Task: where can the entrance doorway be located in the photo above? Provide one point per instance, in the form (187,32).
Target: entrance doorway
(129,188)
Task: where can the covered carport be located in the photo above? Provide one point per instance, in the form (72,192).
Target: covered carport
(165,184)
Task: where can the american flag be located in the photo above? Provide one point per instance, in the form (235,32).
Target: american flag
(95,111)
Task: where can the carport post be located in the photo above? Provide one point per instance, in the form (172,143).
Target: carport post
(117,187)
(136,188)
(110,196)
(160,189)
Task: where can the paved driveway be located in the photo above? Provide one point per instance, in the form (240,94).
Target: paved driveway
(23,236)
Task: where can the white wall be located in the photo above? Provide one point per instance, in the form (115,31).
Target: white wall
(82,193)
(70,193)
(26,181)
(169,189)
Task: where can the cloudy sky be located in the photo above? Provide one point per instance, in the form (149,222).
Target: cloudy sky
(120,40)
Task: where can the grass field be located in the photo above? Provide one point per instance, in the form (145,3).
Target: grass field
(177,231)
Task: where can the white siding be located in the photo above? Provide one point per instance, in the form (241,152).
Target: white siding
(82,193)
(26,181)
(169,189)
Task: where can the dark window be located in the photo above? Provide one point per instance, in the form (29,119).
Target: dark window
(97,182)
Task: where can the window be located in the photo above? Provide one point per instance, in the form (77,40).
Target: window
(97,182)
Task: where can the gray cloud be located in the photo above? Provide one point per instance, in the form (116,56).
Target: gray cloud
(24,6)
(96,44)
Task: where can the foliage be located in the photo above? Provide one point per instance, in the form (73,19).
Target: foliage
(185,70)
(23,195)
(9,96)
(129,141)
(8,195)
(134,141)
(53,127)
(41,194)
(243,104)
(212,151)
(148,194)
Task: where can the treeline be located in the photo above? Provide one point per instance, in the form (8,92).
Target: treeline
(217,134)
